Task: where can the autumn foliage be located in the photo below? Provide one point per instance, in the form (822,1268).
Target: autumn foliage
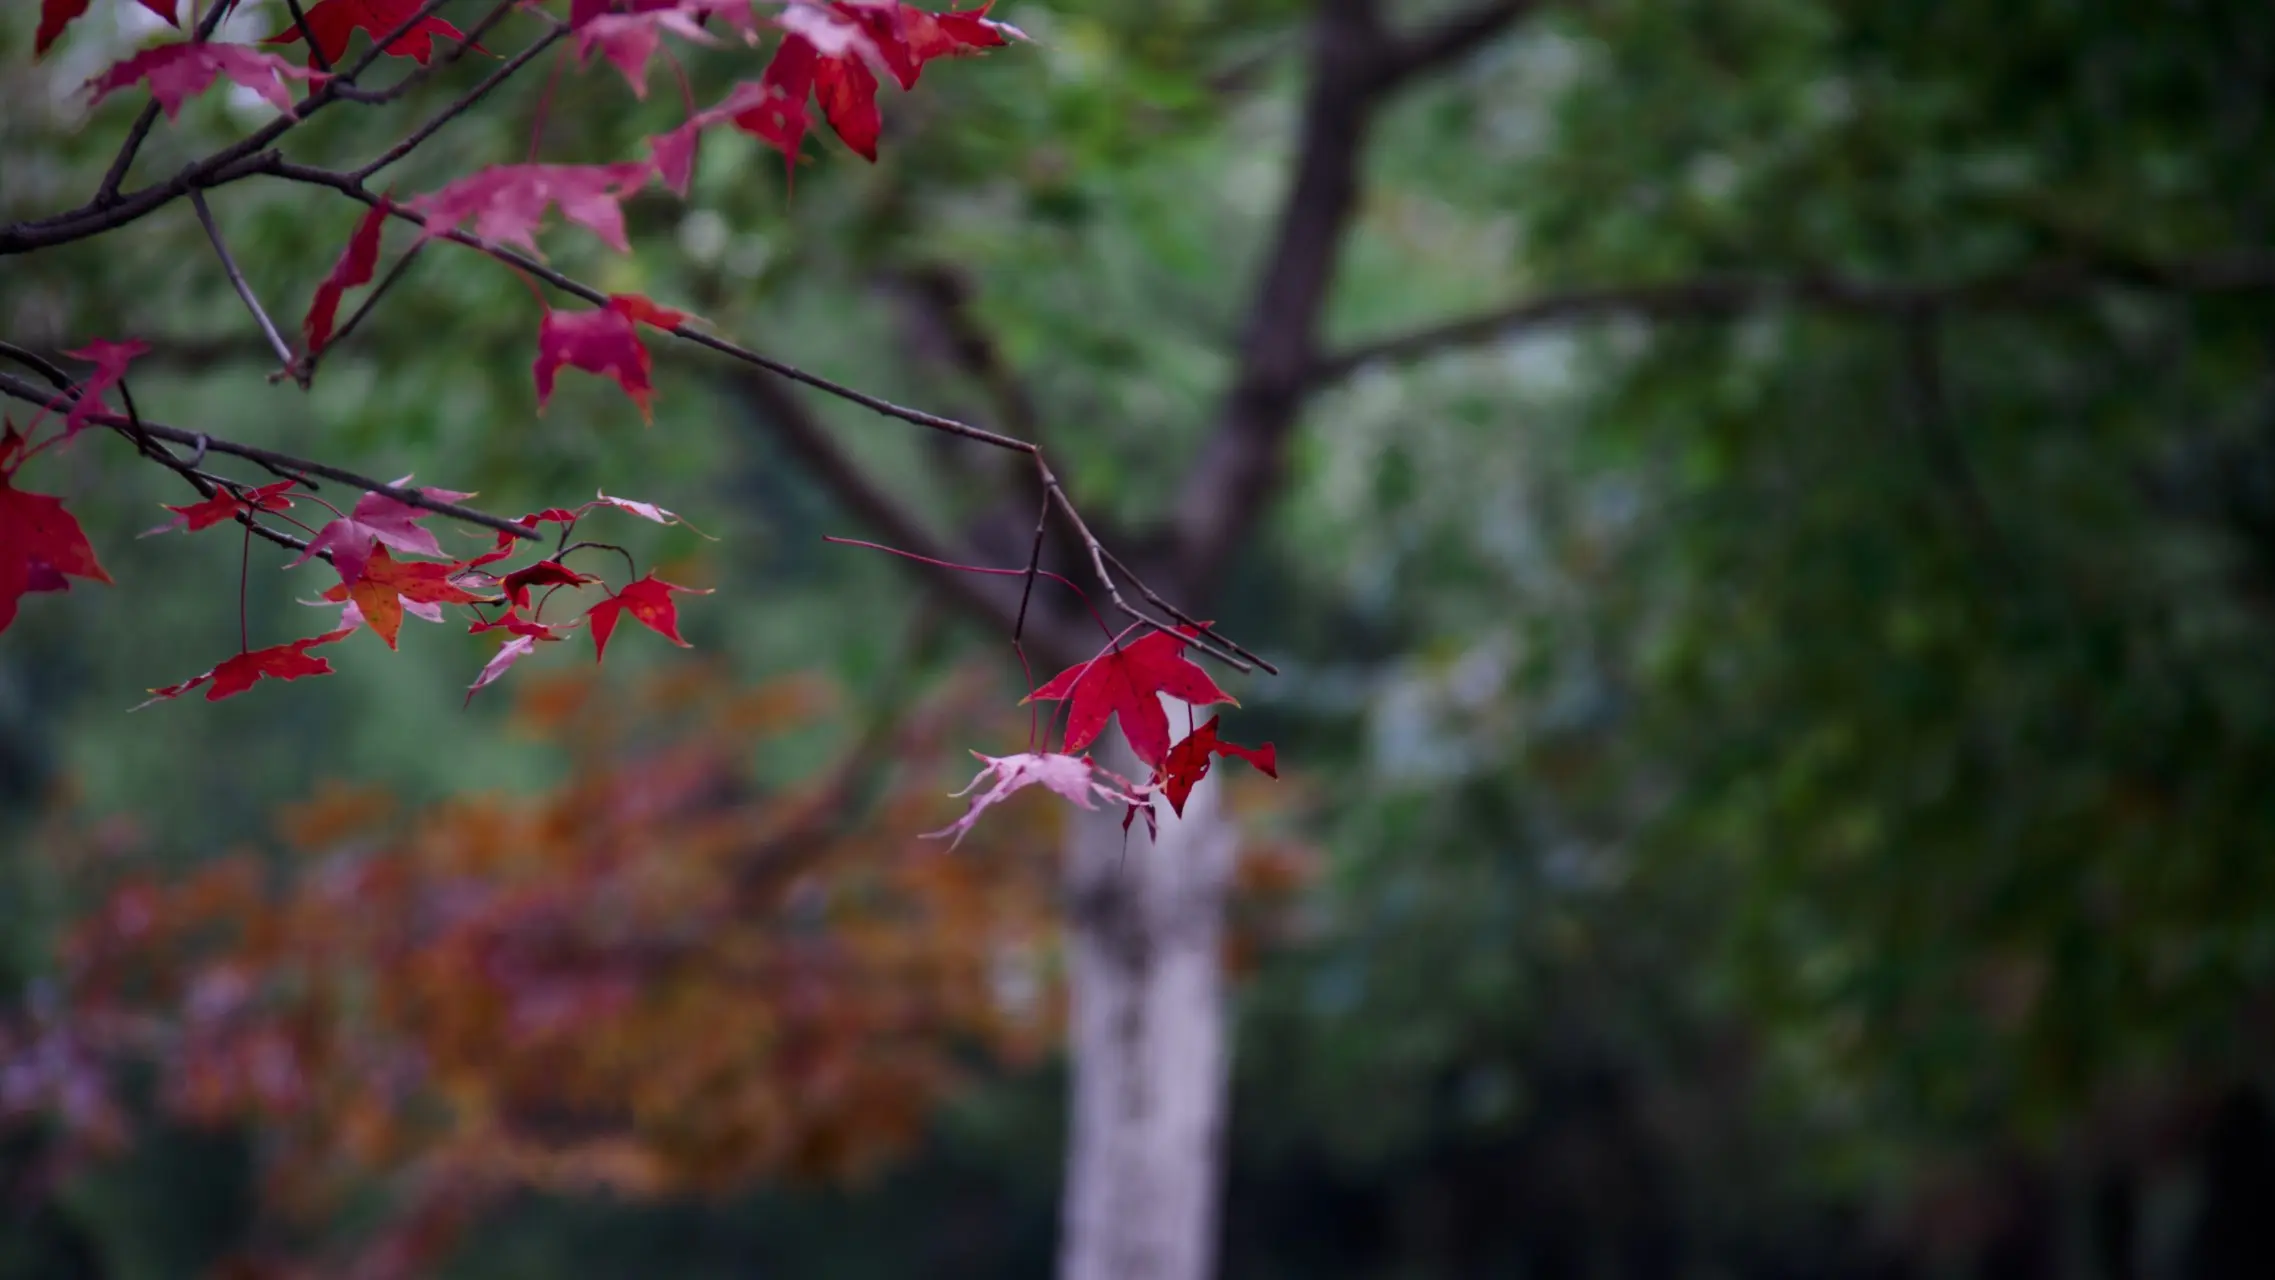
(822,63)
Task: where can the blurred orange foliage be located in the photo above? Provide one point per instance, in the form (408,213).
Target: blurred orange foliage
(659,977)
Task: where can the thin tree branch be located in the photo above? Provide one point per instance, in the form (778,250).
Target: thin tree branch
(778,410)
(244,289)
(279,463)
(465,102)
(99,216)
(307,33)
(1221,496)
(1721,297)
(1450,40)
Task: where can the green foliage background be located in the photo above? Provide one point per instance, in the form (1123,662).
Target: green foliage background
(1771,768)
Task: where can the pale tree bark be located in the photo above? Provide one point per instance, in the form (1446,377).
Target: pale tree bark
(1149,1038)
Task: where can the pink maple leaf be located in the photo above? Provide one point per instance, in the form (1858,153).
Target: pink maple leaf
(1075,777)
(508,201)
(376,520)
(630,40)
(110,360)
(179,72)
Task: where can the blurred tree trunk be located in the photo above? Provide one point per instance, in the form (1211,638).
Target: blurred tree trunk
(1149,1042)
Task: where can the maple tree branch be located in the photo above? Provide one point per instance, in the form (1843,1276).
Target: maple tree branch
(1224,490)
(1450,40)
(280,463)
(244,289)
(100,215)
(300,22)
(1721,297)
(465,102)
(779,410)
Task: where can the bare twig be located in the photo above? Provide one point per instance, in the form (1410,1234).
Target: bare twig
(300,22)
(245,289)
(1716,297)
(279,463)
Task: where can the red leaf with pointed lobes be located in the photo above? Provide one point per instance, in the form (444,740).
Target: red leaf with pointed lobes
(675,151)
(605,341)
(387,584)
(508,201)
(179,72)
(335,22)
(357,264)
(39,543)
(225,505)
(1075,777)
(1188,762)
(778,117)
(545,573)
(236,675)
(55,15)
(1125,683)
(847,91)
(650,604)
(908,37)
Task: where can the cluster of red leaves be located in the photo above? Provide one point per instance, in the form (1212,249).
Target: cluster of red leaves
(377,589)
(1125,683)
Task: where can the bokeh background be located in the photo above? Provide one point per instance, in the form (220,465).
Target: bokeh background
(1777,761)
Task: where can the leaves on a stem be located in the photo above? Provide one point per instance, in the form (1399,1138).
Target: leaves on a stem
(335,22)
(604,341)
(357,264)
(227,504)
(1126,682)
(179,72)
(288,661)
(55,15)
(649,603)
(1075,777)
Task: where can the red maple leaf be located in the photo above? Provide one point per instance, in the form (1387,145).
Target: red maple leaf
(376,519)
(55,15)
(386,585)
(544,573)
(909,37)
(225,505)
(650,604)
(335,22)
(768,107)
(1125,683)
(1188,762)
(354,269)
(512,621)
(604,341)
(40,542)
(1075,777)
(236,675)
(179,72)
(507,201)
